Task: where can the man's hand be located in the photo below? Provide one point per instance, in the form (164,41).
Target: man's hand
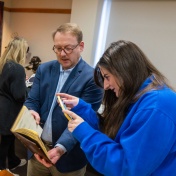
(36,116)
(43,161)
(55,154)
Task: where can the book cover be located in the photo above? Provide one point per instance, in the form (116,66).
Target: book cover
(29,133)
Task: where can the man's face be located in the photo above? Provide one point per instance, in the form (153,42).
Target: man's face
(67,49)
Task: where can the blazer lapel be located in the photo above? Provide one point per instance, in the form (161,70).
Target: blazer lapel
(72,77)
(55,73)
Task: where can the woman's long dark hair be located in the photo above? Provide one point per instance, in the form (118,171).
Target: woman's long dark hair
(128,63)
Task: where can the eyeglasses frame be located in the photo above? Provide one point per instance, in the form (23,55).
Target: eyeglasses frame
(63,49)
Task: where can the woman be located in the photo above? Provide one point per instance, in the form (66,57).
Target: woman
(12,96)
(138,119)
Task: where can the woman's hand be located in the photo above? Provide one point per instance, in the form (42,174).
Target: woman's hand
(76,121)
(69,100)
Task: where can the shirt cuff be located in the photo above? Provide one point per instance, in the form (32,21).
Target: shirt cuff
(62,147)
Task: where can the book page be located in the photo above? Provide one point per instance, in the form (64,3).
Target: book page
(29,133)
(26,120)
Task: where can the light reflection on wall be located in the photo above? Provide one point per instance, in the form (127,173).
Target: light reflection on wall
(103,30)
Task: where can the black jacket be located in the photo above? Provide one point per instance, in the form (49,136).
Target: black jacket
(12,94)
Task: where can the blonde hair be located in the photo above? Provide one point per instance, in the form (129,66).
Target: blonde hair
(71,28)
(15,51)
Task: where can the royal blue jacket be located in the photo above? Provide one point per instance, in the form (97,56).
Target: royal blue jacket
(80,83)
(145,145)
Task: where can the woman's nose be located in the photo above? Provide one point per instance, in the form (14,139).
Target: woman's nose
(106,85)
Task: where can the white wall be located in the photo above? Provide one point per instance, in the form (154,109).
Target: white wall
(152,26)
(85,13)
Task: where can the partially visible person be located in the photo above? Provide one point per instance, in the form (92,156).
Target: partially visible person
(69,74)
(34,63)
(135,133)
(12,96)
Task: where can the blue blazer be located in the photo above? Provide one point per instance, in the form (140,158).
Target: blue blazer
(80,83)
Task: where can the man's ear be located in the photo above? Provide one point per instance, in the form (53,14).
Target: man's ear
(81,45)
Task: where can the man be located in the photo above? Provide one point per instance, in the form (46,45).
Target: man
(69,74)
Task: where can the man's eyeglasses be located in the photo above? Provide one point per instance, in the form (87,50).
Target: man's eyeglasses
(67,49)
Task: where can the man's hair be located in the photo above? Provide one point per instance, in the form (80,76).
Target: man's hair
(15,51)
(71,28)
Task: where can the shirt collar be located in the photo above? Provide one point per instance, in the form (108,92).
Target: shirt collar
(68,70)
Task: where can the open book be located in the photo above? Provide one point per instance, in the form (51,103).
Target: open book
(29,133)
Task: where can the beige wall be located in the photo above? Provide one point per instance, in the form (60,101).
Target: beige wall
(6,32)
(36,28)
(148,23)
(54,4)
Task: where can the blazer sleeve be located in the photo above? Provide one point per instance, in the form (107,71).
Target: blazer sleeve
(90,94)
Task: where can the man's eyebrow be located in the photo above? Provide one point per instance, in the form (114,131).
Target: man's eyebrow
(59,46)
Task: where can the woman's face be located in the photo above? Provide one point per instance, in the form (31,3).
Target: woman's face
(110,81)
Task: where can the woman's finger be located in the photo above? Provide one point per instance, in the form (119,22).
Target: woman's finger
(72,114)
(64,95)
